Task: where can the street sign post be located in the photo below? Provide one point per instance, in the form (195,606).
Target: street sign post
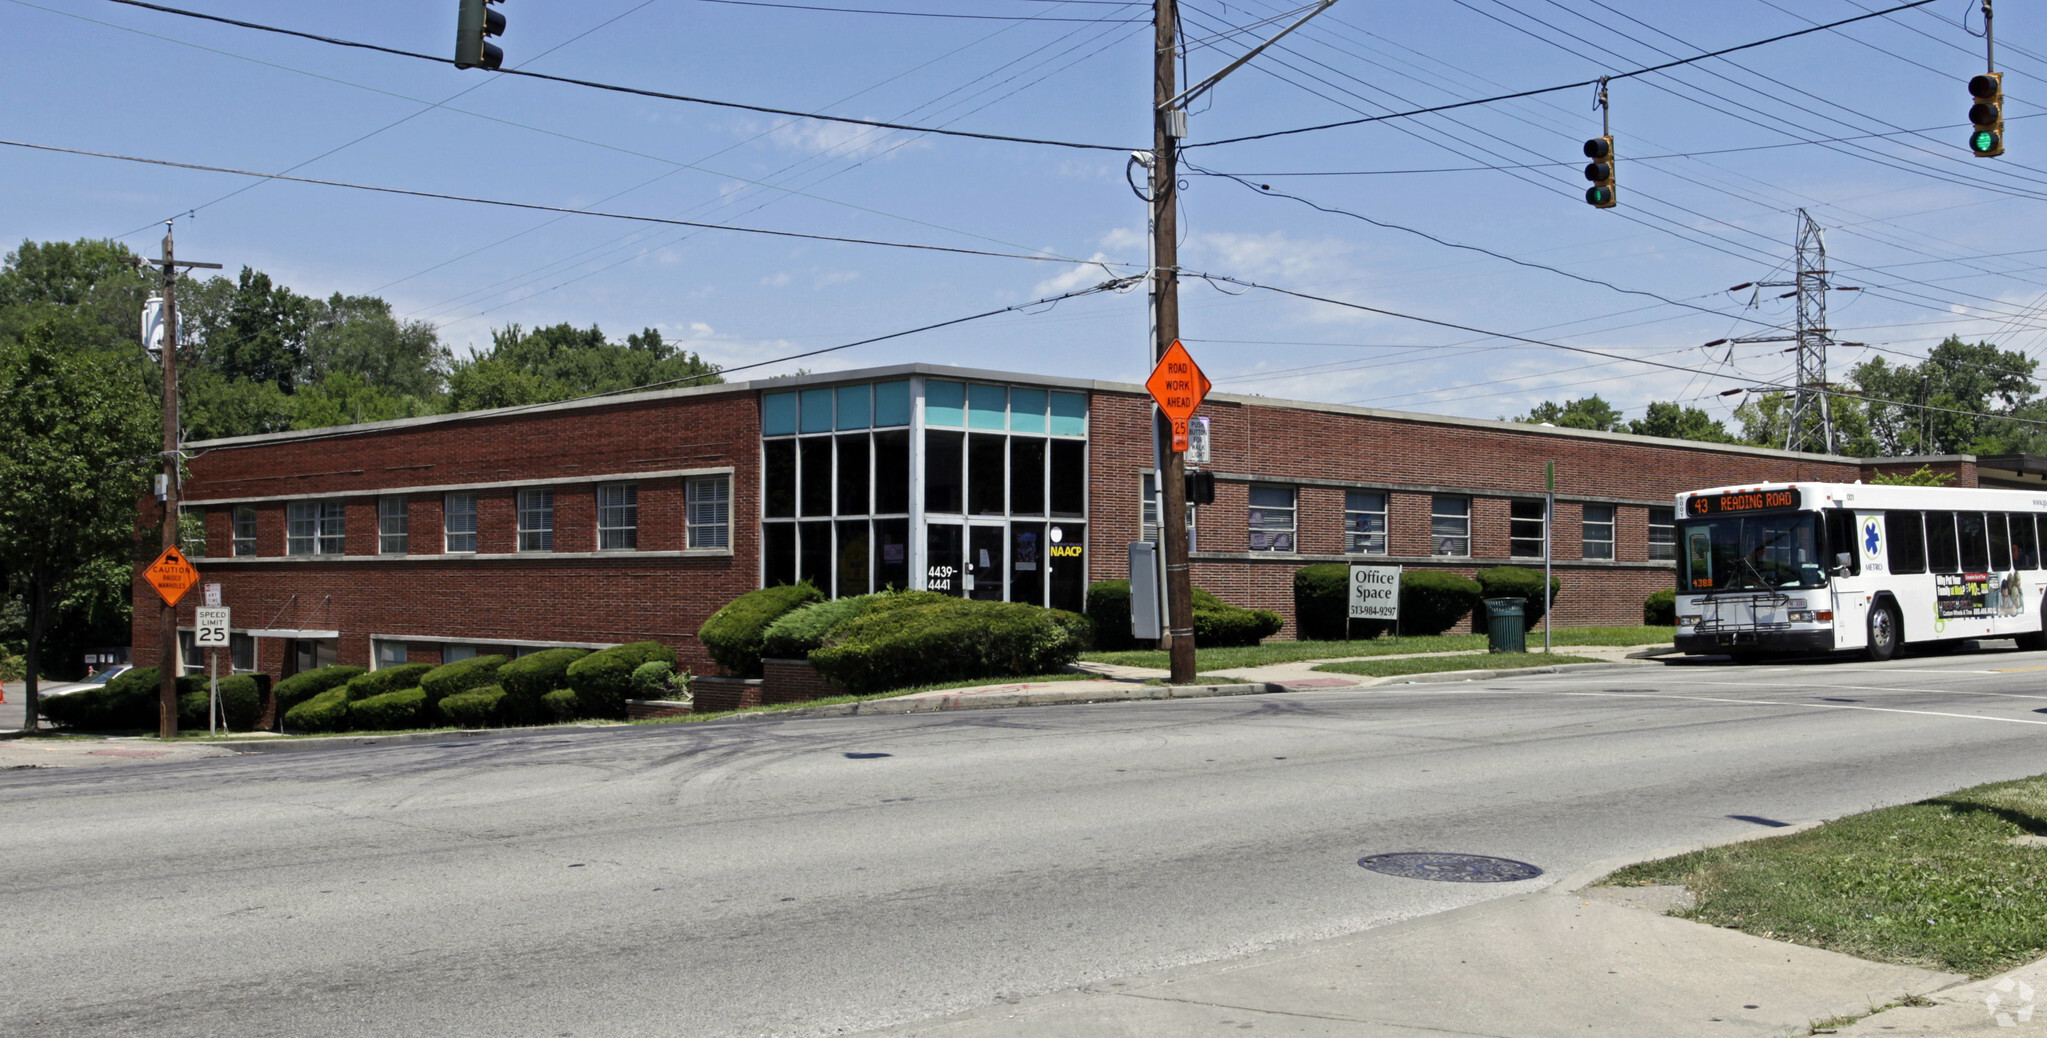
(209,633)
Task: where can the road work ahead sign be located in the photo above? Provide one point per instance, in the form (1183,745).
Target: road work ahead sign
(1375,592)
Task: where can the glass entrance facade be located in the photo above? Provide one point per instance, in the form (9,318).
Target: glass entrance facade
(966,488)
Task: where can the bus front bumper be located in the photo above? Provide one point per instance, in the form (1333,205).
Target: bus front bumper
(1721,642)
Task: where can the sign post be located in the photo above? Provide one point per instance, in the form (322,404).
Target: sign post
(210,633)
(1549,522)
(1177,386)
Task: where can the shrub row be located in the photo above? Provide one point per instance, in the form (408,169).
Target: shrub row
(733,635)
(550,685)
(1431,601)
(1216,623)
(907,639)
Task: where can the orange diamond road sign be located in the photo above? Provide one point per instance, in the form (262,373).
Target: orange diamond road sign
(171,575)
(1178,386)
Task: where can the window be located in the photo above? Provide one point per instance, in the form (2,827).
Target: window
(1598,527)
(618,517)
(458,522)
(1940,543)
(314,528)
(1905,542)
(1148,510)
(394,523)
(1662,534)
(1272,518)
(1450,526)
(710,512)
(245,529)
(1364,522)
(390,654)
(2025,549)
(1525,522)
(536,519)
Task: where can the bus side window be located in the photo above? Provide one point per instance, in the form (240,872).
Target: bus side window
(2025,548)
(1941,552)
(2000,542)
(1905,542)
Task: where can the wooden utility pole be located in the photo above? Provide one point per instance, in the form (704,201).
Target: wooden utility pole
(1169,123)
(167,663)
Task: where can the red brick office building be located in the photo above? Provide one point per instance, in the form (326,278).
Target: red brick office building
(601,521)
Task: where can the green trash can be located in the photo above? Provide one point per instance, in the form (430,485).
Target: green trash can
(1506,625)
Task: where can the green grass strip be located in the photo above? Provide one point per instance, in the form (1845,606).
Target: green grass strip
(1442,664)
(1294,652)
(1936,884)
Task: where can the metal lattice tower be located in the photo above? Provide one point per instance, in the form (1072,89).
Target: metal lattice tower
(1810,423)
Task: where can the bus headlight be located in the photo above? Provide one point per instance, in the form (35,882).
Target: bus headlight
(1811,616)
(1691,620)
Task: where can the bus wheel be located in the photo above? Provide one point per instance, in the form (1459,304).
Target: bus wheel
(1884,632)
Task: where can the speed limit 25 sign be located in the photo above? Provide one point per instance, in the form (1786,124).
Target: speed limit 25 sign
(209,624)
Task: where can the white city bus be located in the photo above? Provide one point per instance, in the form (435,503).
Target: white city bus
(1821,567)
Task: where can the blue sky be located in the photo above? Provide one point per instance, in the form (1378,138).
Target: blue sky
(1715,159)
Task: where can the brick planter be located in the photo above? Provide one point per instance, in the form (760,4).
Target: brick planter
(714,694)
(645,709)
(795,681)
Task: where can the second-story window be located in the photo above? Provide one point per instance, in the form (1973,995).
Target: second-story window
(314,528)
(1364,522)
(394,523)
(245,529)
(1598,531)
(458,522)
(1525,522)
(618,517)
(1450,526)
(1271,518)
(536,519)
(710,512)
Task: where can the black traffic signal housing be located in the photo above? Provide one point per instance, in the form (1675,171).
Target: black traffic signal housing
(1986,115)
(1600,172)
(474,21)
(1201,488)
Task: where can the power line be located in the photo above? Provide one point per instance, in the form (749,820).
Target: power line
(537,207)
(636,91)
(1537,91)
(927,14)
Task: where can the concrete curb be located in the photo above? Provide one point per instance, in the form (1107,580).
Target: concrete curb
(303,745)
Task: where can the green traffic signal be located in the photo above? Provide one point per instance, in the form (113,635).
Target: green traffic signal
(1987,114)
(1984,142)
(1599,195)
(1600,171)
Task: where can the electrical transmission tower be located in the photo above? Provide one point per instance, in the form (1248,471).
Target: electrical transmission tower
(1809,425)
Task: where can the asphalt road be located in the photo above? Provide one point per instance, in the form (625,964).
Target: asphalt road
(825,876)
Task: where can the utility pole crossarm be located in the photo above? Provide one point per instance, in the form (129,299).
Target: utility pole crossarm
(1202,87)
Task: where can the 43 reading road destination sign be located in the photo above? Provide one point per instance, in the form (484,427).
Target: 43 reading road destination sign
(1178,386)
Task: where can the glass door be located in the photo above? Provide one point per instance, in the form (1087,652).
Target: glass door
(986,564)
(944,561)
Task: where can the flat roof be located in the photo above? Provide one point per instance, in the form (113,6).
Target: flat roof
(948,371)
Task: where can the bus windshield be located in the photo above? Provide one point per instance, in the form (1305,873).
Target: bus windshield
(1751,552)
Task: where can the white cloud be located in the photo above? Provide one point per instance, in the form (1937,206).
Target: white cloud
(776,280)
(840,140)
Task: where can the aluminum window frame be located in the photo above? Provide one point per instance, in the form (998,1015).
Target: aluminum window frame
(535,508)
(618,520)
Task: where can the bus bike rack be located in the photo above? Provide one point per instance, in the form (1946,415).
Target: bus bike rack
(1713,618)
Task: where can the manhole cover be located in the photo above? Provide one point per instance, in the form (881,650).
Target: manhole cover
(1450,868)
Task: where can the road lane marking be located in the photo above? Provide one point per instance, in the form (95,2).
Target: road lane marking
(1809,706)
(1887,688)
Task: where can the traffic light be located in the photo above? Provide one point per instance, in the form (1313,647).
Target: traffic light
(1600,172)
(1201,488)
(475,20)
(1986,140)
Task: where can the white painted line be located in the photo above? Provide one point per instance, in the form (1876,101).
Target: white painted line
(1888,688)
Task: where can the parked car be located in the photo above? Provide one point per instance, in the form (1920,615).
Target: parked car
(96,679)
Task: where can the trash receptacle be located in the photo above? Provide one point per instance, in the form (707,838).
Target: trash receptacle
(1506,626)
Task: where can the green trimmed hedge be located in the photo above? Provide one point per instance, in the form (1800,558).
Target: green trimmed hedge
(306,684)
(326,712)
(390,679)
(460,676)
(924,642)
(733,634)
(241,701)
(128,701)
(529,678)
(1518,582)
(473,708)
(1433,600)
(562,704)
(1216,623)
(656,679)
(1660,608)
(795,633)
(405,708)
(604,679)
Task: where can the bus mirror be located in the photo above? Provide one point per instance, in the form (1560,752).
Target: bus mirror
(1842,562)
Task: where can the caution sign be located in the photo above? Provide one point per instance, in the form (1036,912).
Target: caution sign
(1178,386)
(171,575)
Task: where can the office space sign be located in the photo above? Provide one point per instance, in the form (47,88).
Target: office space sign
(1375,592)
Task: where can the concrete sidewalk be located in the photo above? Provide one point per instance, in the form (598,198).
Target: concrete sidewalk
(1543,964)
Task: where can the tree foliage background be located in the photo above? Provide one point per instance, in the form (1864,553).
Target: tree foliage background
(81,402)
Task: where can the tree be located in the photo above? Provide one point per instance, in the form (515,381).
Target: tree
(1968,392)
(1590,412)
(249,328)
(1765,417)
(359,336)
(563,361)
(1677,422)
(77,448)
(97,279)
